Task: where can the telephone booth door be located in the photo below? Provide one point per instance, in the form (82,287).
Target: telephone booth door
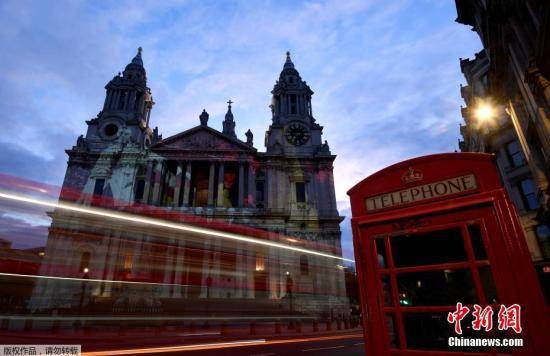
(417,261)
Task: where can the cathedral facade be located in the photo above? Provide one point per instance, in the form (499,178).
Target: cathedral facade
(288,190)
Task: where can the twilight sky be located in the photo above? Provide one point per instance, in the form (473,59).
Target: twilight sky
(386,74)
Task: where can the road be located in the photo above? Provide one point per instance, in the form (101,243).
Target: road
(345,344)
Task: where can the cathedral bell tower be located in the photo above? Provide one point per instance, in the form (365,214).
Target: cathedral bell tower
(293,130)
(126,110)
(229,122)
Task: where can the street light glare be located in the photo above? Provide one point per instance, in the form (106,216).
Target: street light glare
(484,112)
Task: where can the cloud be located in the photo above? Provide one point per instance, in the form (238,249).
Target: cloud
(22,228)
(385,74)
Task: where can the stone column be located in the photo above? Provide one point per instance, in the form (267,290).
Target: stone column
(310,191)
(115,99)
(272,272)
(127,100)
(332,191)
(187,185)
(177,188)
(241,185)
(168,266)
(141,103)
(107,100)
(211,184)
(249,273)
(109,265)
(210,288)
(240,270)
(251,198)
(165,183)
(180,262)
(216,248)
(148,114)
(220,186)
(148,177)
(156,187)
(270,178)
(131,100)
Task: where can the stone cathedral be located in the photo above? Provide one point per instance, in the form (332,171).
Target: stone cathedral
(287,190)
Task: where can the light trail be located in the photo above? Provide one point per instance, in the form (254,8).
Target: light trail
(91,280)
(216,345)
(162,223)
(155,318)
(219,345)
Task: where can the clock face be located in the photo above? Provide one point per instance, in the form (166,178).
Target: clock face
(297,134)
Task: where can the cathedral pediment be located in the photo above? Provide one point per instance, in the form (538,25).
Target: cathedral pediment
(202,138)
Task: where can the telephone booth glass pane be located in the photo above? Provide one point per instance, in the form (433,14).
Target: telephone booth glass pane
(381,252)
(477,242)
(431,331)
(432,269)
(392,331)
(427,331)
(488,283)
(434,247)
(386,289)
(443,287)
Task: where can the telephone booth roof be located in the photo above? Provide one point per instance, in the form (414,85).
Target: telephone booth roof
(421,171)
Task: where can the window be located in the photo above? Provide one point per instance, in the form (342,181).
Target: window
(515,157)
(527,191)
(260,263)
(259,194)
(304,265)
(111,130)
(543,235)
(129,262)
(300,192)
(140,188)
(293,104)
(98,187)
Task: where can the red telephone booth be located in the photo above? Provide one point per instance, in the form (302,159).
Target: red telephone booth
(434,231)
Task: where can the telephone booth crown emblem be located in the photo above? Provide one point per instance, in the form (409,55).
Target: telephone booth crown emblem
(412,175)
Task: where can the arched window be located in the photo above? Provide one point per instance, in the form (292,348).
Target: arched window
(300,192)
(293,104)
(304,265)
